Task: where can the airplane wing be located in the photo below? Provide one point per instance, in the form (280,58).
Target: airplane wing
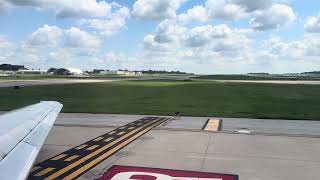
(22,134)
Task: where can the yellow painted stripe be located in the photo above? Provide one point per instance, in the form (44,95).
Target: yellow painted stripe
(45,171)
(64,170)
(112,132)
(120,133)
(98,139)
(71,158)
(82,146)
(105,155)
(212,125)
(108,139)
(59,157)
(131,128)
(92,147)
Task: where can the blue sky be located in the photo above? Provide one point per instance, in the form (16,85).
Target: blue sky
(204,36)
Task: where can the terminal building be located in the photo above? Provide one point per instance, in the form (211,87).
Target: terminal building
(121,72)
(32,72)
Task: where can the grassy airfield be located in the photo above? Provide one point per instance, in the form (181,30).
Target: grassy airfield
(192,98)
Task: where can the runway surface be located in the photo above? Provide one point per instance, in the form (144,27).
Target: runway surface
(290,151)
(272,81)
(12,83)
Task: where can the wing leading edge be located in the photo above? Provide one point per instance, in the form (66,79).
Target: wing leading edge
(22,134)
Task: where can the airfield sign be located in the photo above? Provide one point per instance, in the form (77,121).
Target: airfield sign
(142,173)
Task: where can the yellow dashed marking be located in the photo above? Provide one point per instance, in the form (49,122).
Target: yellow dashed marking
(59,157)
(81,147)
(115,149)
(71,158)
(98,139)
(108,139)
(120,133)
(92,147)
(212,125)
(75,173)
(45,171)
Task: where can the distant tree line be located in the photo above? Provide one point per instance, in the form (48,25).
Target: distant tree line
(312,73)
(9,67)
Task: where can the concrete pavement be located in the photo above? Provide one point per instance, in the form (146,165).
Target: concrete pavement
(12,83)
(308,82)
(231,125)
(181,144)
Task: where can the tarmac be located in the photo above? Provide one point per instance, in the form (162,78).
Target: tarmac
(304,82)
(12,83)
(267,149)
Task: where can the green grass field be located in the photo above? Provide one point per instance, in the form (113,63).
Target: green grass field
(192,98)
(246,77)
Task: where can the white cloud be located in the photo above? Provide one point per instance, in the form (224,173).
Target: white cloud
(55,36)
(69,8)
(76,38)
(199,36)
(168,31)
(174,45)
(156,9)
(213,49)
(198,44)
(251,6)
(223,9)
(4,42)
(230,10)
(165,40)
(312,24)
(196,13)
(107,18)
(219,39)
(306,48)
(312,43)
(4,6)
(206,35)
(150,44)
(83,8)
(46,35)
(276,16)
(109,25)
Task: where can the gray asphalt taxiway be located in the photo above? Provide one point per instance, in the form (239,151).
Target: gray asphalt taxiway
(267,149)
(22,83)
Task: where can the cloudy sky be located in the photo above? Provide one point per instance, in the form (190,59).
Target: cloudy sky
(200,36)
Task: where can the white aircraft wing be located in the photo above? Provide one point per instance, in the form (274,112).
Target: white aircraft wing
(22,134)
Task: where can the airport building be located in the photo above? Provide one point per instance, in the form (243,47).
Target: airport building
(75,72)
(121,72)
(34,72)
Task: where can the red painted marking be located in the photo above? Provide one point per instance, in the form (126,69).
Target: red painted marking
(141,173)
